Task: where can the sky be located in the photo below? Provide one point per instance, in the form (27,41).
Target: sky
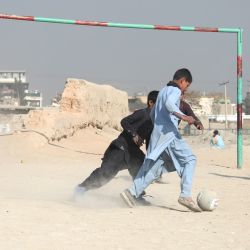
(133,60)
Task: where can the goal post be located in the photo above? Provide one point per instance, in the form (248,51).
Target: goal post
(237,31)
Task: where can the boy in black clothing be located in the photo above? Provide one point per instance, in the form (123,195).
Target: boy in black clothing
(123,152)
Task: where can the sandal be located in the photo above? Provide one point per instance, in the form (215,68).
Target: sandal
(189,203)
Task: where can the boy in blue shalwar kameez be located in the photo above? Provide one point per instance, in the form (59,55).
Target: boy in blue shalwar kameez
(167,151)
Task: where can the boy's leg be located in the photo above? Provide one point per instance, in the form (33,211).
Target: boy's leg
(136,160)
(149,171)
(184,161)
(168,167)
(112,163)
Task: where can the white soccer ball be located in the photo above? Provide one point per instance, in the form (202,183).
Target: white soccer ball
(207,200)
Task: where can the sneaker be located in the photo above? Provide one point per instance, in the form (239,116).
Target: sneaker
(189,203)
(132,201)
(128,198)
(79,192)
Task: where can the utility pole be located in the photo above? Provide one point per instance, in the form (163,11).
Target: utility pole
(225,98)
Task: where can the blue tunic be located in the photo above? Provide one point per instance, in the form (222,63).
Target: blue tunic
(167,151)
(165,123)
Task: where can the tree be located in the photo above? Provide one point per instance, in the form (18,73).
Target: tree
(247,104)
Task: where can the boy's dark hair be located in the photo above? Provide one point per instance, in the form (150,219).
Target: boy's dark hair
(216,132)
(183,73)
(152,96)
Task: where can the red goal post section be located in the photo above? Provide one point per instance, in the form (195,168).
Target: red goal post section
(236,31)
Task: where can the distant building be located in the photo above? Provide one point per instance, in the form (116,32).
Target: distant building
(14,90)
(212,106)
(32,98)
(206,104)
(138,101)
(12,87)
(55,101)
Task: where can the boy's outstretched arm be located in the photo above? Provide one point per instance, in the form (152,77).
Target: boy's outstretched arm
(189,119)
(187,110)
(128,123)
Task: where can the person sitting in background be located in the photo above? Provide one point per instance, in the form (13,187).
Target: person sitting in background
(217,140)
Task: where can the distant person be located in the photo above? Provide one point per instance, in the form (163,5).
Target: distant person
(217,141)
(166,148)
(123,152)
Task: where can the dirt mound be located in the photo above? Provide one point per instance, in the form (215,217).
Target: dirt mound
(83,104)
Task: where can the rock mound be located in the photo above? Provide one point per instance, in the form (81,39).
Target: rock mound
(83,104)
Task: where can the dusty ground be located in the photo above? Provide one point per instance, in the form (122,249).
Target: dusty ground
(37,210)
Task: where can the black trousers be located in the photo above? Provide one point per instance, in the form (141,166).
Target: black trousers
(115,159)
